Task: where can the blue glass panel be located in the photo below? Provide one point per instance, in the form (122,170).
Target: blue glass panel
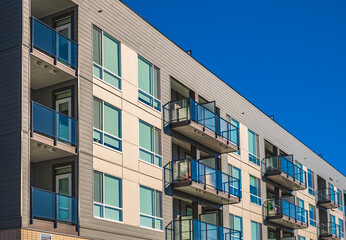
(43,204)
(43,120)
(67,209)
(66,129)
(44,38)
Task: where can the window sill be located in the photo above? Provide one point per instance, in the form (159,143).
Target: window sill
(153,229)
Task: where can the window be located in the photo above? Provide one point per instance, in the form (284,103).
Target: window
(301,238)
(312,215)
(107,197)
(106,58)
(256,231)
(149,144)
(311,182)
(341,226)
(236,173)
(300,211)
(236,223)
(339,198)
(253,148)
(107,125)
(255,193)
(332,193)
(234,132)
(149,84)
(300,172)
(150,208)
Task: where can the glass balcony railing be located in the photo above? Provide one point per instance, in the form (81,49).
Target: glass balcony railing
(53,43)
(327,194)
(280,163)
(198,230)
(188,109)
(53,124)
(281,207)
(52,206)
(329,229)
(192,170)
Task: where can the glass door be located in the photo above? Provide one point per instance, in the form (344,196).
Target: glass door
(63,187)
(63,26)
(63,102)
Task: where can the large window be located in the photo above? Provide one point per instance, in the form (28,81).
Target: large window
(339,198)
(311,183)
(253,148)
(150,208)
(300,172)
(236,223)
(107,197)
(107,125)
(312,215)
(236,173)
(106,58)
(256,231)
(149,84)
(341,224)
(149,144)
(300,211)
(234,132)
(255,190)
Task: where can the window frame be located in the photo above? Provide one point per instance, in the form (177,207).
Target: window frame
(230,119)
(258,197)
(141,91)
(148,151)
(241,224)
(102,132)
(150,216)
(254,158)
(101,67)
(103,199)
(313,219)
(259,226)
(311,189)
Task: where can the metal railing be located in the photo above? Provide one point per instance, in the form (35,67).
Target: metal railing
(192,170)
(329,228)
(281,207)
(50,41)
(280,163)
(53,124)
(327,194)
(52,206)
(191,229)
(189,109)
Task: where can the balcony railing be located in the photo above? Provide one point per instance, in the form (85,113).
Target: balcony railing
(190,170)
(197,230)
(51,206)
(190,110)
(53,43)
(280,165)
(327,198)
(280,209)
(53,124)
(329,230)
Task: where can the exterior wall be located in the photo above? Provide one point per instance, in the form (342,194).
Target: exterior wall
(10,117)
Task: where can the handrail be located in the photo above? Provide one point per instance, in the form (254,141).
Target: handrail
(275,163)
(192,170)
(194,111)
(329,228)
(53,206)
(277,207)
(194,229)
(60,126)
(327,194)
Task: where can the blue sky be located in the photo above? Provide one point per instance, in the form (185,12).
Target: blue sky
(286,57)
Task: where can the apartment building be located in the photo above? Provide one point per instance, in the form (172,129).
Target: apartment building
(109,130)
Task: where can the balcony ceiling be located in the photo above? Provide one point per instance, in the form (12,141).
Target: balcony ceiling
(43,8)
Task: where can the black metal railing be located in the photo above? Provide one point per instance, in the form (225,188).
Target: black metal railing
(189,109)
(329,229)
(327,194)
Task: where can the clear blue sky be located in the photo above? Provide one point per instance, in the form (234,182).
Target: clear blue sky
(288,57)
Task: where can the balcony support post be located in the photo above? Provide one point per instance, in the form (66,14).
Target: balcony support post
(32,119)
(55,128)
(31,206)
(56,49)
(32,35)
(55,210)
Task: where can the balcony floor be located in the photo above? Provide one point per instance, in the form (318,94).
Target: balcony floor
(328,204)
(44,73)
(208,193)
(329,237)
(287,222)
(206,137)
(42,148)
(287,181)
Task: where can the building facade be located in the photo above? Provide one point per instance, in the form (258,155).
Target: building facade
(111,131)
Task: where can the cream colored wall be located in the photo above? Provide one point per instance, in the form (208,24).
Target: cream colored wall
(126,164)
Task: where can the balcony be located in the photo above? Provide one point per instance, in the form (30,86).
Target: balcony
(49,206)
(197,230)
(202,125)
(285,173)
(329,230)
(53,48)
(286,214)
(53,129)
(327,198)
(198,179)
